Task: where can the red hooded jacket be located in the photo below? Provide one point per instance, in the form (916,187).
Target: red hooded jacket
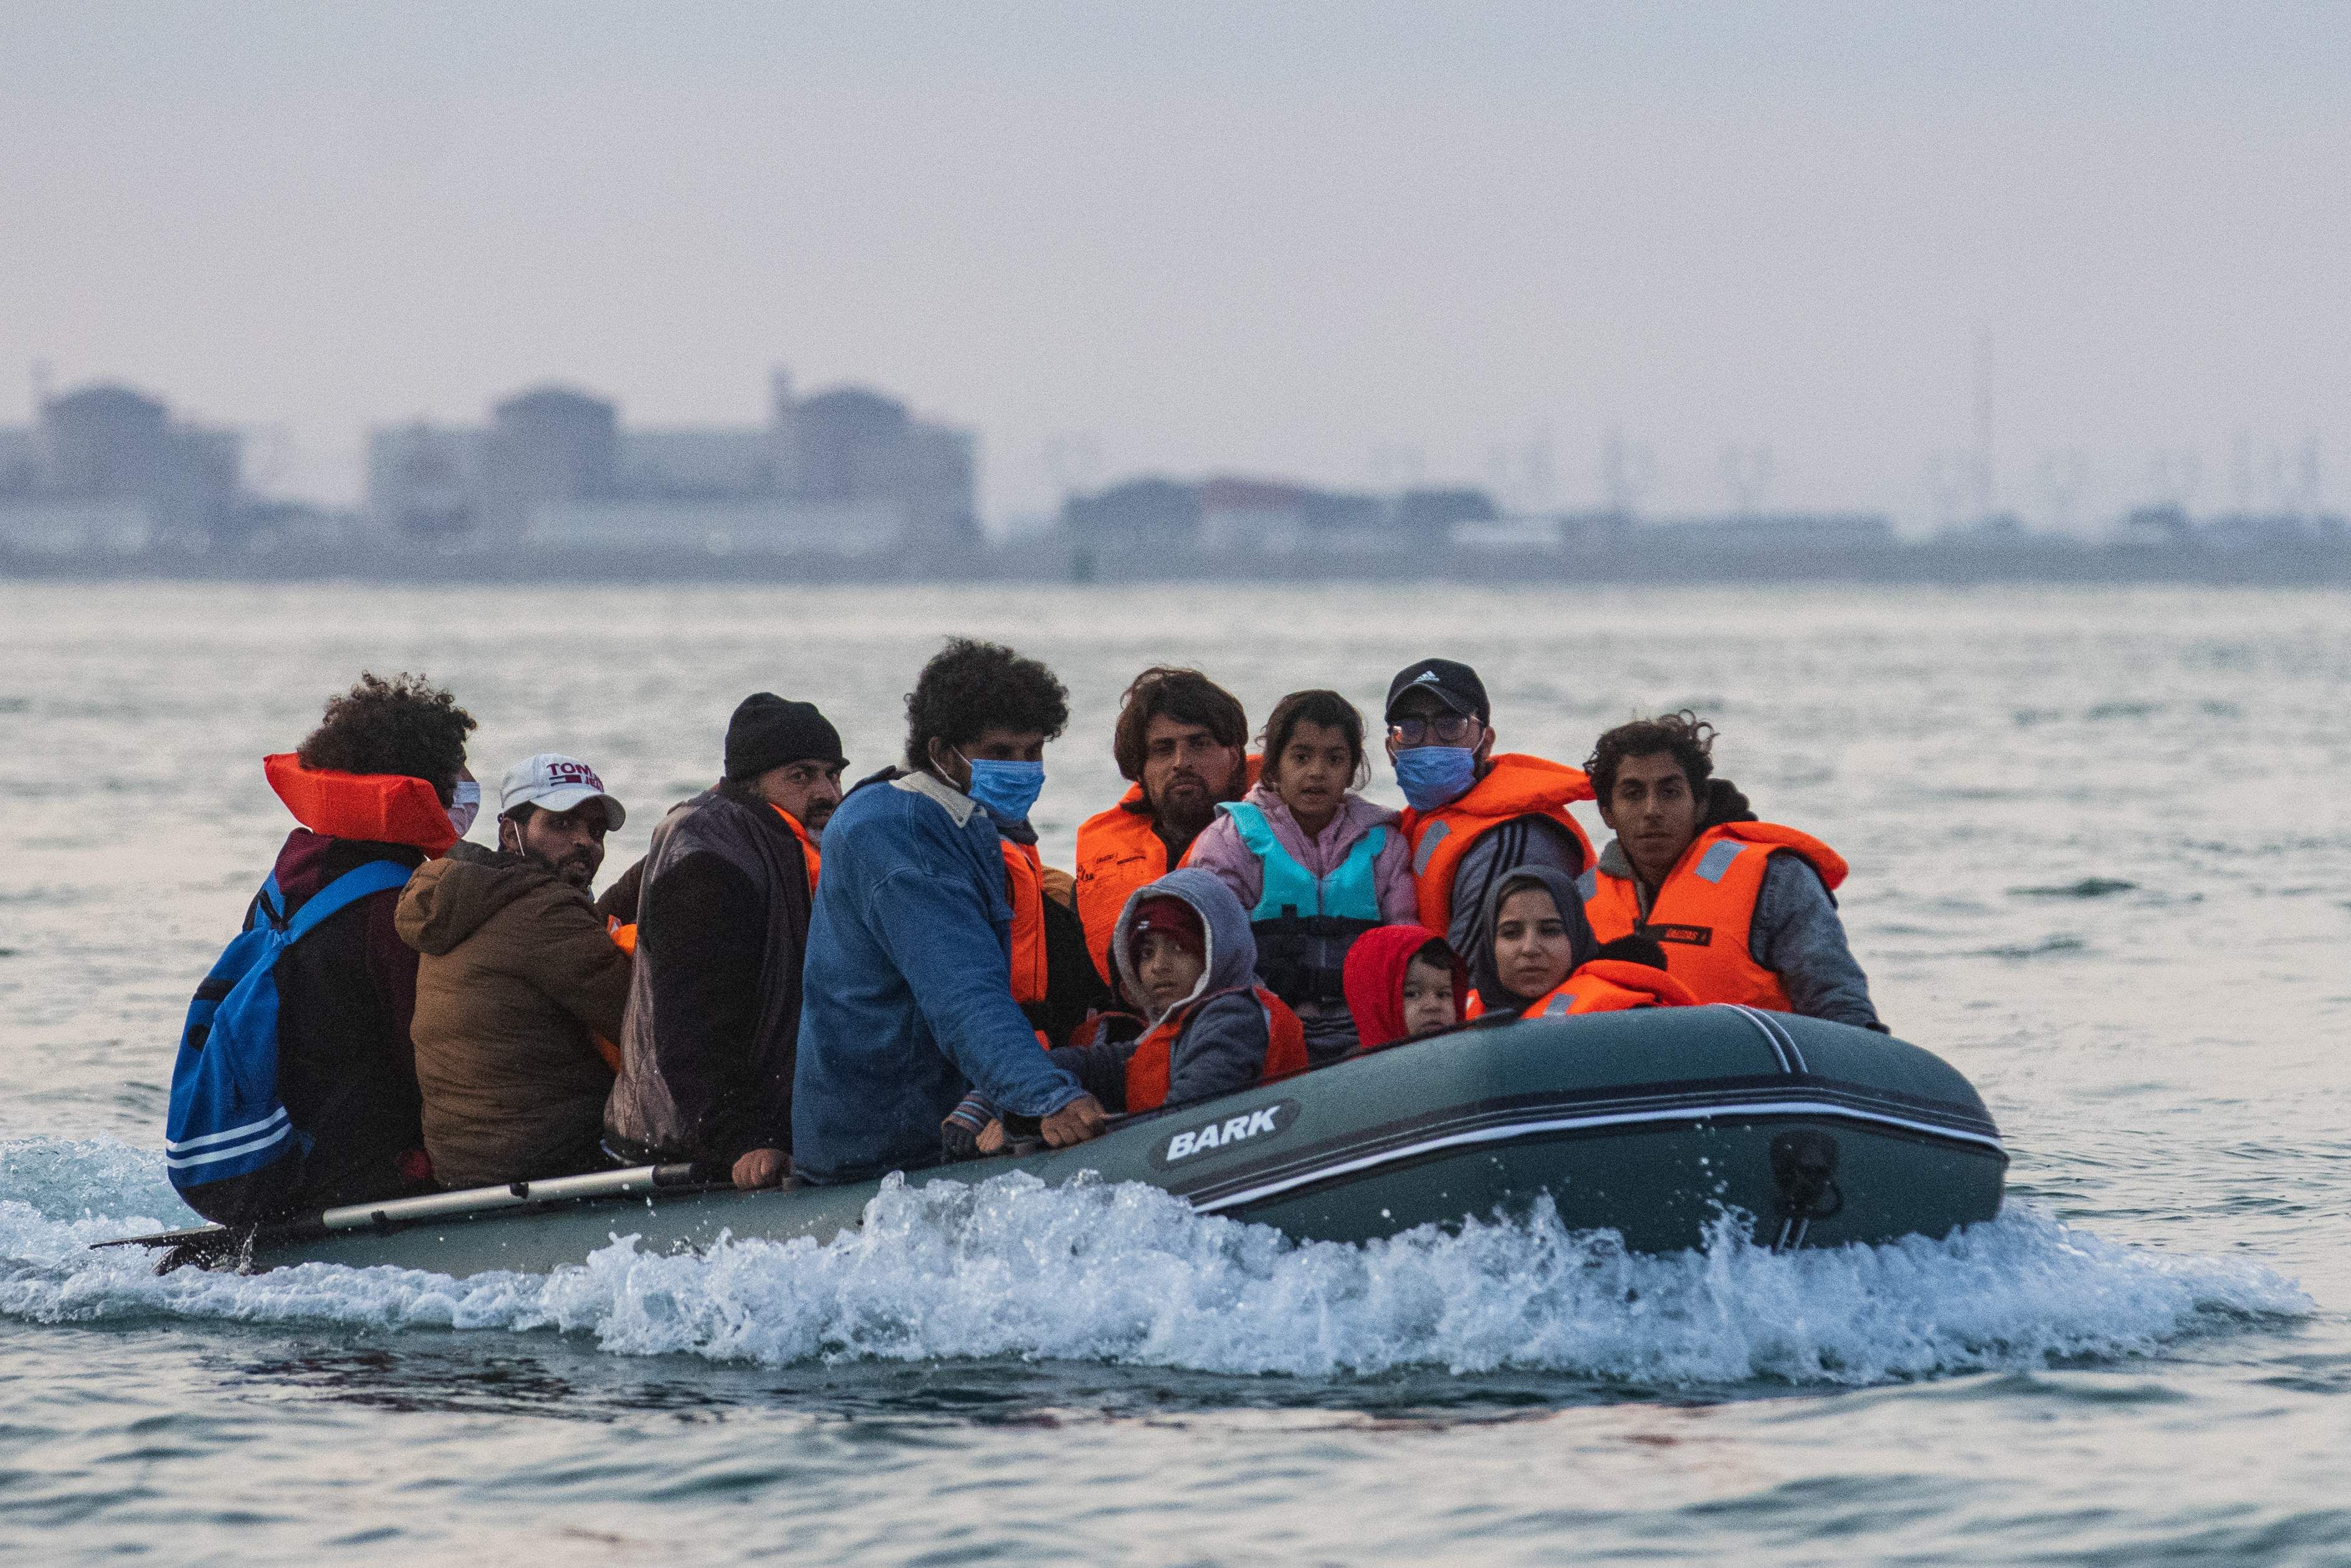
(1375,981)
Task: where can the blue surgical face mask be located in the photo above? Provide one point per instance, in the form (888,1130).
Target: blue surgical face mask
(1007,788)
(1434,776)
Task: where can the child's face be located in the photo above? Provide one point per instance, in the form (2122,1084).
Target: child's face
(1427,998)
(1168,970)
(1531,949)
(1313,772)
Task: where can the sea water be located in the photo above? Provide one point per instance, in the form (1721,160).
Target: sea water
(2102,864)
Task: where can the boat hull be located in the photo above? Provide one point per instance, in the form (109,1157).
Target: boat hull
(1651,1124)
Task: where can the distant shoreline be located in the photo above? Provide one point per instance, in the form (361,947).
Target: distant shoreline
(1929,564)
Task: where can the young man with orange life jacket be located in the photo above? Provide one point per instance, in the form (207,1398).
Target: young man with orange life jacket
(376,790)
(1473,816)
(1185,951)
(709,1042)
(910,992)
(1744,910)
(519,990)
(1544,961)
(1182,740)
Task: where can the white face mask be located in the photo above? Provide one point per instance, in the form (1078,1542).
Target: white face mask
(465,805)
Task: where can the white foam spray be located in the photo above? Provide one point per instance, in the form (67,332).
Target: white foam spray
(1128,1274)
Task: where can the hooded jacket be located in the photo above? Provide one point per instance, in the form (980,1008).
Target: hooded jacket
(1583,946)
(1224,1041)
(1376,968)
(517,976)
(707,1042)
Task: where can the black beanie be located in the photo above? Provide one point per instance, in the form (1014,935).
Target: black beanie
(767,731)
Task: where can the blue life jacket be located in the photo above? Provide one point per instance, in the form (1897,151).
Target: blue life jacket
(227,1119)
(1304,924)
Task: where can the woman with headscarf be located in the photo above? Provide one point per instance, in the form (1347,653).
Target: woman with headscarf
(1544,962)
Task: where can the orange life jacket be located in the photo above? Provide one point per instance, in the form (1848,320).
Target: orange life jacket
(1514,785)
(381,807)
(808,845)
(1603,986)
(1705,912)
(1024,884)
(1118,852)
(1148,1068)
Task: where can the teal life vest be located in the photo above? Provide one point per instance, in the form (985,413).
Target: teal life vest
(1304,924)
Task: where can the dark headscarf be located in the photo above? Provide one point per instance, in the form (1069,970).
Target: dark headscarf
(1581,944)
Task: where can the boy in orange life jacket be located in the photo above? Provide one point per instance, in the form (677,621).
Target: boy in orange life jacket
(1744,910)
(1183,946)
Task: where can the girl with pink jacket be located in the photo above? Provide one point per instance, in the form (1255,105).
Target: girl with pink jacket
(1315,864)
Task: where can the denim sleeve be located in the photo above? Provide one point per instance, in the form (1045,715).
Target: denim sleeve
(938,932)
(1797,937)
(1221,1050)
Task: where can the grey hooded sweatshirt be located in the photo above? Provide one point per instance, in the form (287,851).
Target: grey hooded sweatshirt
(1223,1044)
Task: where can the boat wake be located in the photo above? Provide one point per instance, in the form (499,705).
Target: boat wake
(1128,1274)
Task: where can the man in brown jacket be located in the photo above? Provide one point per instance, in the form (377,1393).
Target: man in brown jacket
(519,991)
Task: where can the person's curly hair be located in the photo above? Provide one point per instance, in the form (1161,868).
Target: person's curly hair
(1187,696)
(970,686)
(1688,738)
(404,726)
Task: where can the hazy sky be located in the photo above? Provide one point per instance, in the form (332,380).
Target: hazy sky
(1346,243)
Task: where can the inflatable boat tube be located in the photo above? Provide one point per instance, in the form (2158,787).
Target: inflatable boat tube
(1650,1123)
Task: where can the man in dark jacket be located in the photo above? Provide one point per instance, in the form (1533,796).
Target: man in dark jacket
(708,1046)
(373,782)
(520,989)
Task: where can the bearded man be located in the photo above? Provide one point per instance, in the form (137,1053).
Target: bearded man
(519,991)
(1181,741)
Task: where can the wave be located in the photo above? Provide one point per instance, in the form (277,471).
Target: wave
(1128,1274)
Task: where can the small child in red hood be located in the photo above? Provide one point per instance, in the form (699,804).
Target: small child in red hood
(1404,982)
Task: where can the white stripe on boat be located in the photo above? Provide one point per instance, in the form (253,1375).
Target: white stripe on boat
(1575,1123)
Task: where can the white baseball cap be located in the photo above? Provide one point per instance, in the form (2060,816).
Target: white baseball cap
(554,782)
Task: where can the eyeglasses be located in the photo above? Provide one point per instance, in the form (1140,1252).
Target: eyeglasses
(1445,729)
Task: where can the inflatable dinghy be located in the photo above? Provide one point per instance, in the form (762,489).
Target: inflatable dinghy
(1649,1123)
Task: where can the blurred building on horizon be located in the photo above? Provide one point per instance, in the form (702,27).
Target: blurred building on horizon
(107,471)
(847,472)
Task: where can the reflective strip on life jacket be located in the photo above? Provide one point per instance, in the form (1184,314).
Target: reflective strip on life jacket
(1024,885)
(1603,986)
(1350,892)
(379,808)
(1149,1066)
(1611,986)
(1703,916)
(1514,787)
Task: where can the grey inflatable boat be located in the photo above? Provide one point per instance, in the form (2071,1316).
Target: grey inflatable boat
(1649,1123)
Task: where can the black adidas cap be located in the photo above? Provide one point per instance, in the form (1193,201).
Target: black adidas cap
(1454,684)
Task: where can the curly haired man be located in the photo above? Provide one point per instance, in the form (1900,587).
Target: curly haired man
(1745,911)
(907,1006)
